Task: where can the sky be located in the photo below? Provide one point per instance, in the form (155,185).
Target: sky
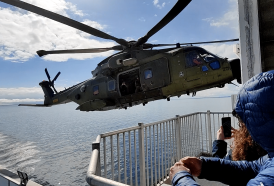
(23,33)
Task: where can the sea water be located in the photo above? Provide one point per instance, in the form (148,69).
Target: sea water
(53,145)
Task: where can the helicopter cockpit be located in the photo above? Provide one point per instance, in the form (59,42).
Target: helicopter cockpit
(204,58)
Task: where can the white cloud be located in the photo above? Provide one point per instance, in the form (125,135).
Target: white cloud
(58,6)
(23,33)
(229,19)
(142,19)
(94,24)
(158,5)
(130,39)
(19,101)
(21,93)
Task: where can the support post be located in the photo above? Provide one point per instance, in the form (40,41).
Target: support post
(142,155)
(251,61)
(96,145)
(178,138)
(209,132)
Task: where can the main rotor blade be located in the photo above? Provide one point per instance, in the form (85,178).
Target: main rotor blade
(220,41)
(178,7)
(64,20)
(146,46)
(76,51)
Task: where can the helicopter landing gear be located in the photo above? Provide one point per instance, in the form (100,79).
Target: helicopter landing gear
(144,104)
(168,99)
(193,94)
(187,92)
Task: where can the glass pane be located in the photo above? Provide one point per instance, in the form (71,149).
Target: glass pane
(148,74)
(215,65)
(193,59)
(111,85)
(204,68)
(96,90)
(207,56)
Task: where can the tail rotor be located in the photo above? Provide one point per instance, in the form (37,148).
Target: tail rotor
(51,83)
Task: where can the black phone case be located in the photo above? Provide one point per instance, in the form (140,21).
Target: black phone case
(226,123)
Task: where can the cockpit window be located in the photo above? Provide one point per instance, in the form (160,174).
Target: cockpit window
(214,65)
(208,57)
(111,85)
(96,90)
(211,59)
(193,59)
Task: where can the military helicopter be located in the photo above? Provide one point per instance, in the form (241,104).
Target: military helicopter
(138,73)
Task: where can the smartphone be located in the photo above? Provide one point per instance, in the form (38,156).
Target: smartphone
(226,123)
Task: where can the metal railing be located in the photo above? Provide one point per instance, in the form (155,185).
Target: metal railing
(142,155)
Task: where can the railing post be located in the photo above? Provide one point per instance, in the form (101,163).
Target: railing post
(209,131)
(178,138)
(142,155)
(96,145)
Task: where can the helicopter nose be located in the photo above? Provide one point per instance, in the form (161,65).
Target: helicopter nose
(236,69)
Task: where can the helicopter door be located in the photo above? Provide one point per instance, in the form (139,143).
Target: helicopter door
(195,75)
(154,74)
(128,82)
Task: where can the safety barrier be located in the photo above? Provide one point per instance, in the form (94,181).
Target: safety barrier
(142,155)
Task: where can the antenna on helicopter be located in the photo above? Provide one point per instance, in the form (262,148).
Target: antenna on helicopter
(51,83)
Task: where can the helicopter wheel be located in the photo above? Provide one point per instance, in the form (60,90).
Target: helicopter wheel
(221,86)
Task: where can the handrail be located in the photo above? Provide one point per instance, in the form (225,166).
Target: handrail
(148,150)
(91,178)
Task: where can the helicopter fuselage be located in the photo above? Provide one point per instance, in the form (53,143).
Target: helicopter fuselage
(136,77)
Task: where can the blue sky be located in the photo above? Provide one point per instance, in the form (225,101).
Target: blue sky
(23,33)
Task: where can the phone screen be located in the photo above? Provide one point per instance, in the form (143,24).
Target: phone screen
(226,123)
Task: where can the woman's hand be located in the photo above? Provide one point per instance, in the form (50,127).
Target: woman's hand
(177,167)
(221,135)
(194,164)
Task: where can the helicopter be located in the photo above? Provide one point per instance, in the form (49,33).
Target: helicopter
(137,73)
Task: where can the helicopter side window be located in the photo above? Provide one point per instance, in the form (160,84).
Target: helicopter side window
(96,90)
(111,85)
(148,74)
(204,68)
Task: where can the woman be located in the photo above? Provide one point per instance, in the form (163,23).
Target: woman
(243,147)
(255,109)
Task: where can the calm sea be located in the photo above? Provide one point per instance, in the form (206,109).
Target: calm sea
(53,145)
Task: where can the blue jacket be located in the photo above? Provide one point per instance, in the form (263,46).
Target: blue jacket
(255,107)
(219,150)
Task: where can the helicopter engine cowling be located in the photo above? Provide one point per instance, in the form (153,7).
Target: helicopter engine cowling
(130,62)
(236,69)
